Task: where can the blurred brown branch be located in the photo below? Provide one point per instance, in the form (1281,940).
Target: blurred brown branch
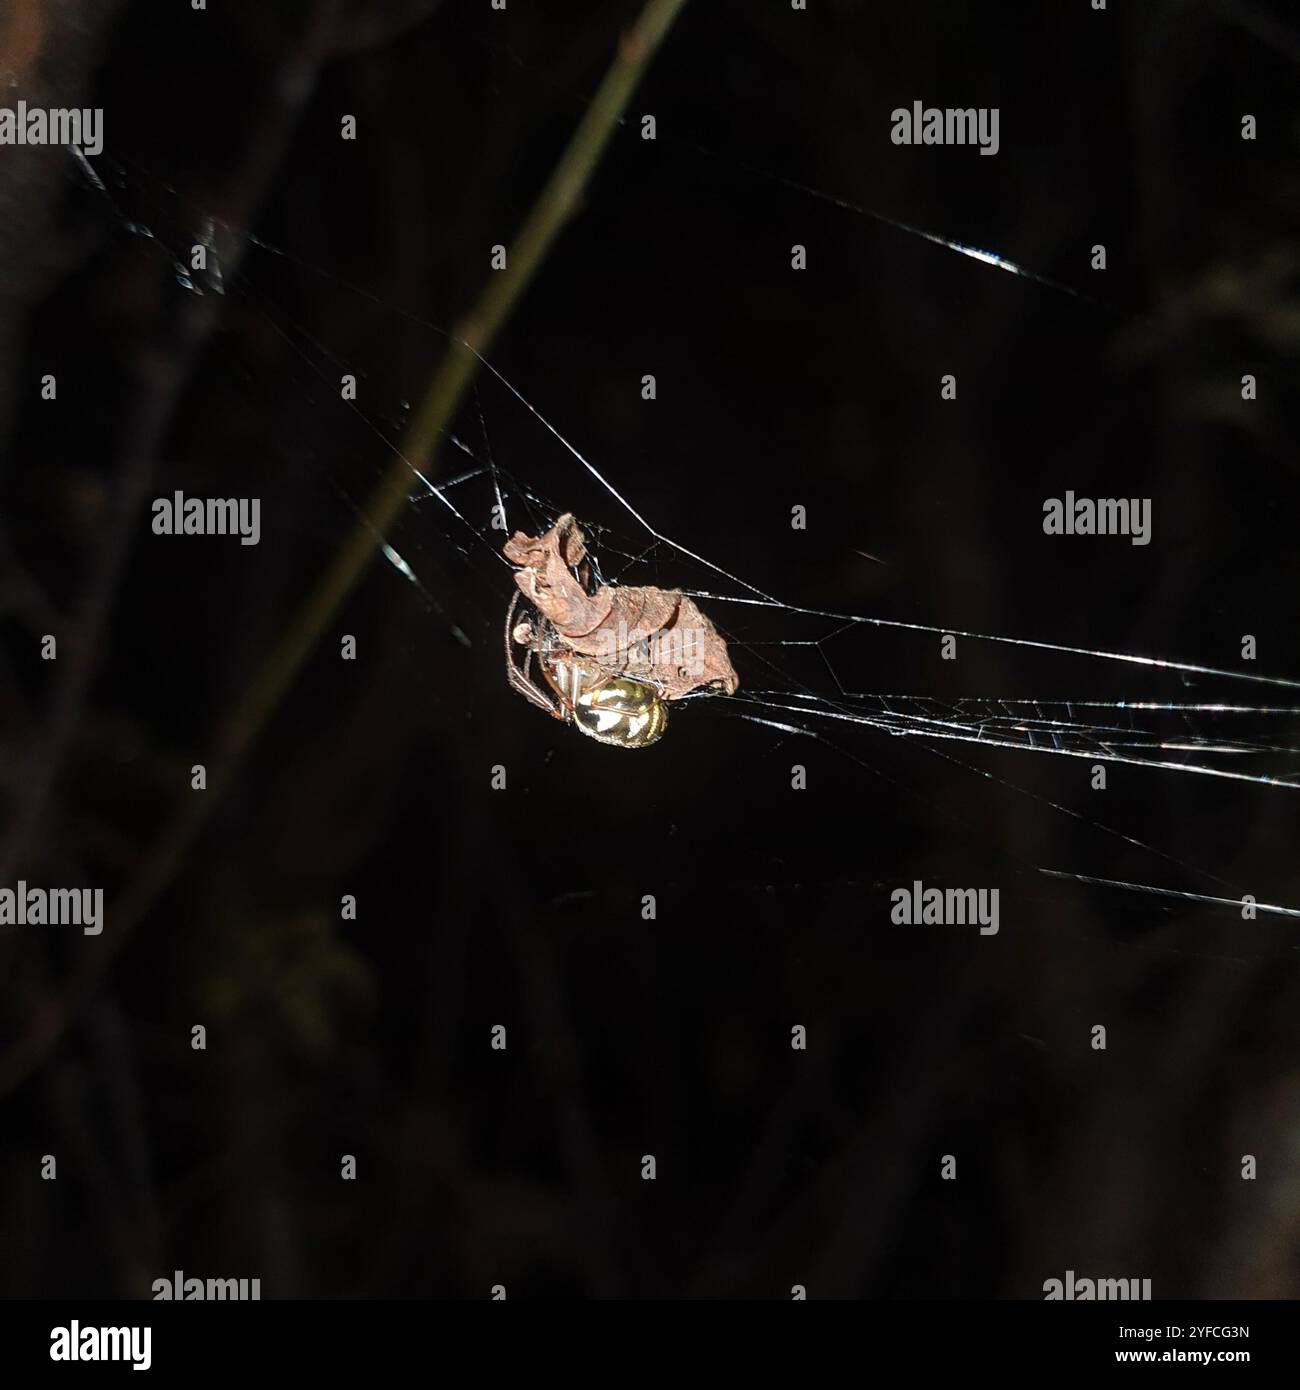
(161,372)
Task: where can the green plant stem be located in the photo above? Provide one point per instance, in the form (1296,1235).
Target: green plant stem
(446,391)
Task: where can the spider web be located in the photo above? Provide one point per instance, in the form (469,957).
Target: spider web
(1170,736)
(811,673)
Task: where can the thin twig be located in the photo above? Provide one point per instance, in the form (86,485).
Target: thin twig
(447,389)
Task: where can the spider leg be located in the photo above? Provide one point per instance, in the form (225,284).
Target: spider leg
(518,680)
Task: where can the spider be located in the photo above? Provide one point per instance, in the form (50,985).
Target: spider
(612,657)
(610,708)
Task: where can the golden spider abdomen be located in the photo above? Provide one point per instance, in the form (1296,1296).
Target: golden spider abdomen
(622,712)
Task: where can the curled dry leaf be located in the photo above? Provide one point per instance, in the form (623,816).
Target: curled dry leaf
(640,633)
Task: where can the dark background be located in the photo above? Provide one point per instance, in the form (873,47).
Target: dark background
(522,907)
